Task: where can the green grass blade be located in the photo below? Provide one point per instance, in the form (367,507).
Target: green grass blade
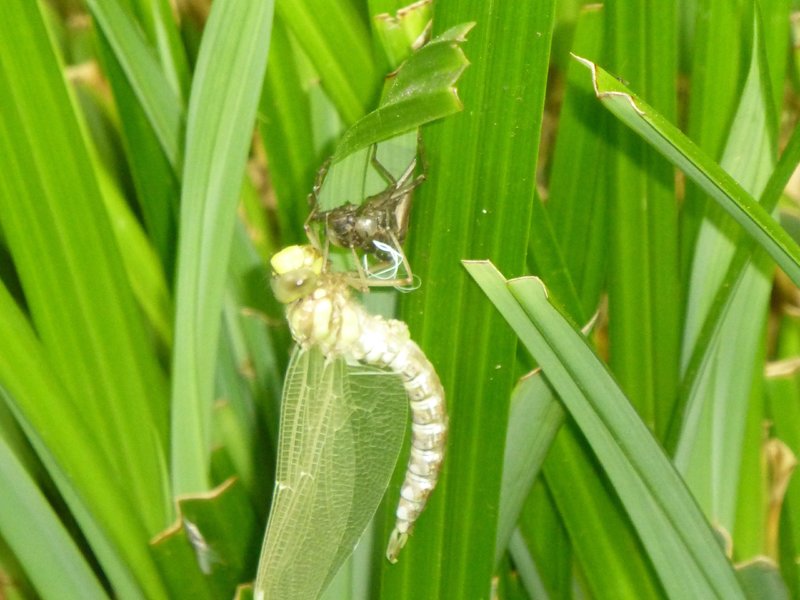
(337,41)
(142,265)
(150,99)
(534,418)
(161,28)
(782,390)
(41,543)
(595,520)
(154,177)
(716,82)
(744,252)
(709,451)
(643,282)
(57,427)
(225,92)
(156,95)
(577,204)
(476,201)
(211,547)
(579,218)
(64,249)
(683,153)
(286,132)
(400,32)
(546,257)
(678,539)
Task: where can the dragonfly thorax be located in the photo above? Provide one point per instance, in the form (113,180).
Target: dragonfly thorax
(327,318)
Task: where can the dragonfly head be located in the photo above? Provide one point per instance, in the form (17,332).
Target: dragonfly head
(295,271)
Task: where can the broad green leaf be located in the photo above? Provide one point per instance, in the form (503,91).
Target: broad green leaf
(43,546)
(642,230)
(475,201)
(342,428)
(678,539)
(683,153)
(225,91)
(422,90)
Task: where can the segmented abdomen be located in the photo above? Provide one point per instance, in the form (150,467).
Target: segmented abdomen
(330,319)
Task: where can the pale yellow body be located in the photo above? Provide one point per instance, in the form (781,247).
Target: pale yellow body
(322,313)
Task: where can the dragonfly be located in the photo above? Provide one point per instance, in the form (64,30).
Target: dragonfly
(377,226)
(346,391)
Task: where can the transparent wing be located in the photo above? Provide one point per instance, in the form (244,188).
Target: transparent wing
(340,435)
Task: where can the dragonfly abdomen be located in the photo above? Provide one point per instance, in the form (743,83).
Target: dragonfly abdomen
(386,343)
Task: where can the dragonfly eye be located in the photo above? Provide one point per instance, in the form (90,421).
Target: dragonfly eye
(293,285)
(295,272)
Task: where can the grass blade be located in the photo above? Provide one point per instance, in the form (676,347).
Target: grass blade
(710,448)
(683,153)
(337,41)
(679,540)
(477,200)
(225,92)
(643,282)
(156,95)
(28,524)
(534,418)
(58,429)
(82,306)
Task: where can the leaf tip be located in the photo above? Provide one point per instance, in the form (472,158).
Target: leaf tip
(530,278)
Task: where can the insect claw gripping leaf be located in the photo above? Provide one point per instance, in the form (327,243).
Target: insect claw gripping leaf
(322,314)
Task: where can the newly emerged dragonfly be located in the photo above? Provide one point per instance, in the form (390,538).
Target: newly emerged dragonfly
(326,321)
(376,226)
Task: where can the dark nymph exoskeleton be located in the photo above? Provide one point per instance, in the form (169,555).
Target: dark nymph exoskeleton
(376,228)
